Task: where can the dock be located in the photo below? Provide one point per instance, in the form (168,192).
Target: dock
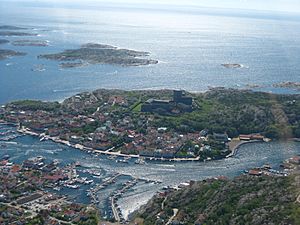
(114,210)
(117,214)
(102,186)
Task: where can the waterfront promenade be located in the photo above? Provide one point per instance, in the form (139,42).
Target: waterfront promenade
(233,146)
(87,149)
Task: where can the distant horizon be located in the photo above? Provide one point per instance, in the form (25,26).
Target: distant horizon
(286,6)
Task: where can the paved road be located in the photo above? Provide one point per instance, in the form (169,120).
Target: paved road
(175,211)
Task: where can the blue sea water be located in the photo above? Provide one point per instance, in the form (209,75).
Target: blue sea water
(190,44)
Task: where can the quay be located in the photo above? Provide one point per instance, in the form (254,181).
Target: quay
(87,149)
(233,147)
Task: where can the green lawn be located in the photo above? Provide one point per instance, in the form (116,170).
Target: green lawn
(137,107)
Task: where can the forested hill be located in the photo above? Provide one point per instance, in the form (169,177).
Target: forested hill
(243,200)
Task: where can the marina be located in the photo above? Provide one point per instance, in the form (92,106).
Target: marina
(151,176)
(107,106)
(8,134)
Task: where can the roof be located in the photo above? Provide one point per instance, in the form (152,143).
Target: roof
(255,172)
(15,168)
(54,177)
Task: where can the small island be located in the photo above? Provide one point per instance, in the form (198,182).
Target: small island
(5,53)
(7,30)
(93,53)
(34,43)
(288,84)
(253,86)
(3,41)
(232,65)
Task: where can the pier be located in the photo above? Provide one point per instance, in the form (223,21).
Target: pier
(117,214)
(114,210)
(101,186)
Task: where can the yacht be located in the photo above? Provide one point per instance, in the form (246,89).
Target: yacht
(122,160)
(140,161)
(112,157)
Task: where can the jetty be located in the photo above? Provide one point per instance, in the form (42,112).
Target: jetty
(235,144)
(126,186)
(114,210)
(102,186)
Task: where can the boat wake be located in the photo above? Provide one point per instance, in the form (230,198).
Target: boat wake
(166,165)
(162,169)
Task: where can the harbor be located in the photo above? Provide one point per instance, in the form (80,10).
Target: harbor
(152,176)
(43,137)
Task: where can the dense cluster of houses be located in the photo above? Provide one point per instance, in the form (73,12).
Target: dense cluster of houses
(107,122)
(22,194)
(112,125)
(33,173)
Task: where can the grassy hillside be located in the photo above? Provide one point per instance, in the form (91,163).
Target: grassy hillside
(241,112)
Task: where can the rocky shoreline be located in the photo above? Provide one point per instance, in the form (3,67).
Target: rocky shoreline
(288,84)
(92,53)
(5,53)
(232,65)
(34,43)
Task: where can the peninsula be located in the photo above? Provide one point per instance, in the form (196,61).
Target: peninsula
(92,53)
(164,124)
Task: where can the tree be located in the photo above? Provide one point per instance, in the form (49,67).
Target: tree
(272,132)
